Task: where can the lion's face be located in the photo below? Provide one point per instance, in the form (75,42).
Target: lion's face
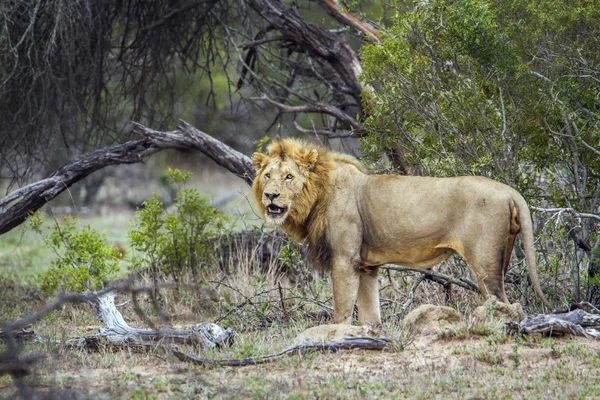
(282,181)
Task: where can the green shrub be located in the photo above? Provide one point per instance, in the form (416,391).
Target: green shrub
(167,243)
(83,257)
(174,243)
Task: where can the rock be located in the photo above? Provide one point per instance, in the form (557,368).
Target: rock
(496,311)
(326,333)
(428,318)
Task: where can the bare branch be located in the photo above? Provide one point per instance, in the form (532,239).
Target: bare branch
(323,132)
(188,137)
(345,343)
(578,323)
(437,277)
(587,146)
(340,13)
(329,47)
(322,108)
(32,197)
(569,210)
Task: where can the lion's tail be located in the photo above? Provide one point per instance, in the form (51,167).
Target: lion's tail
(527,239)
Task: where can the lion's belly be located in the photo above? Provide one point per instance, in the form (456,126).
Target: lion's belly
(426,257)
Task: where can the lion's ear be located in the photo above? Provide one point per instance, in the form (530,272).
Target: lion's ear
(259,160)
(311,158)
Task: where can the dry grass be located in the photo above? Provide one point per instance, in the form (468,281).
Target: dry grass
(470,361)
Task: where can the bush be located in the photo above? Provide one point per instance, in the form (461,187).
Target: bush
(174,243)
(167,244)
(84,258)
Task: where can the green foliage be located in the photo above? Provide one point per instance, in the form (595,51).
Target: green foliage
(180,241)
(516,356)
(493,88)
(261,143)
(83,257)
(290,255)
(170,244)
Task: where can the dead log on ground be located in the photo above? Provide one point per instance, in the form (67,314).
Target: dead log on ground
(117,331)
(345,343)
(578,323)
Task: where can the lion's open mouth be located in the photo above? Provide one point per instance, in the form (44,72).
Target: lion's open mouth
(275,211)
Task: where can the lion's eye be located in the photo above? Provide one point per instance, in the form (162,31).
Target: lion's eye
(289,177)
(267,176)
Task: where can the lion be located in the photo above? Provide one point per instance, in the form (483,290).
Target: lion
(354,222)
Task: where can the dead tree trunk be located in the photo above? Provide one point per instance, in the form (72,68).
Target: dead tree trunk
(118,332)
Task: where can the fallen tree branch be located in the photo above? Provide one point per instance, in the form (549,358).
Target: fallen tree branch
(345,343)
(117,331)
(32,197)
(437,277)
(578,323)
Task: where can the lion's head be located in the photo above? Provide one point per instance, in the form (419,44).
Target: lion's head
(289,181)
(291,190)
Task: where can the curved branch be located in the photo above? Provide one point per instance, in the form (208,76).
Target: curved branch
(593,149)
(322,108)
(188,137)
(32,197)
(345,343)
(328,46)
(569,210)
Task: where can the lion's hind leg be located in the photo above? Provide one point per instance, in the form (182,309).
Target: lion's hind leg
(488,263)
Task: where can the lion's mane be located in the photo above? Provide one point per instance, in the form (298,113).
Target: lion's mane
(307,217)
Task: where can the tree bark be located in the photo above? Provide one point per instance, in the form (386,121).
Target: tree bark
(32,197)
(335,55)
(118,333)
(578,323)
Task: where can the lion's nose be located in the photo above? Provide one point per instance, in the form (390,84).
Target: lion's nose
(271,196)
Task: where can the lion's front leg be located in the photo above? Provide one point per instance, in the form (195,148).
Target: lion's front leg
(345,282)
(368,298)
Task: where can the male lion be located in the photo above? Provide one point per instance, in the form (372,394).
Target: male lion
(354,222)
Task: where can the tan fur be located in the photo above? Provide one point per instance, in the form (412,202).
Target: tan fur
(354,222)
